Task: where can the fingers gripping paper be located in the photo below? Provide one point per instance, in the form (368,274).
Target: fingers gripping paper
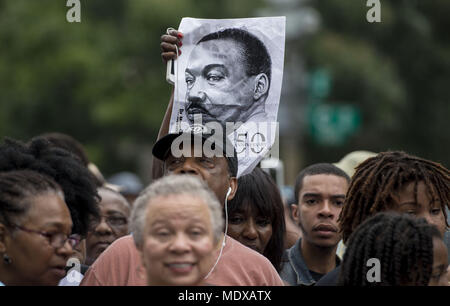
(230,72)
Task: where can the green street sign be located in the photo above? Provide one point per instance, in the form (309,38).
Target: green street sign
(333,124)
(319,84)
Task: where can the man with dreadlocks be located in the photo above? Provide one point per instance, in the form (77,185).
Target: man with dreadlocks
(394,181)
(391,249)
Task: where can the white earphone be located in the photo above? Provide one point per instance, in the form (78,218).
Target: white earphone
(226,215)
(228,193)
(224,235)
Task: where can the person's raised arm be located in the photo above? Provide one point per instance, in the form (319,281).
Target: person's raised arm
(168,42)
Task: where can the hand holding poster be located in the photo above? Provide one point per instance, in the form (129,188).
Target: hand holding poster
(230,72)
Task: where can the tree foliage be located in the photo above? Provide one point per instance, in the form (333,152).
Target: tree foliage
(396,71)
(101,80)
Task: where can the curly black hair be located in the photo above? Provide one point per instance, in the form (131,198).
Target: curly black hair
(258,191)
(75,180)
(15,189)
(70,144)
(67,143)
(378,178)
(403,245)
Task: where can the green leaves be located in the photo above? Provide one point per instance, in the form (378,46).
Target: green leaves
(101,80)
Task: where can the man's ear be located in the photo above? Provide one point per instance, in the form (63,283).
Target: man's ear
(262,85)
(233,185)
(295,213)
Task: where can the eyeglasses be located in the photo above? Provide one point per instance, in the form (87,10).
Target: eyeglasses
(112,221)
(56,240)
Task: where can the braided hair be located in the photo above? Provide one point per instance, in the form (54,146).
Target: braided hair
(403,245)
(75,180)
(378,178)
(16,187)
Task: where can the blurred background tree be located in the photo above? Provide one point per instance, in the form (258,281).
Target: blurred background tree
(348,84)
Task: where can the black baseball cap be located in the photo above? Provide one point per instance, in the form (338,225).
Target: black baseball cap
(162,147)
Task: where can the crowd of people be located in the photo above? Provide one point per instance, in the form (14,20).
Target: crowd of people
(200,225)
(382,221)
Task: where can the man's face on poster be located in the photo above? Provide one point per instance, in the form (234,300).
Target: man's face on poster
(218,86)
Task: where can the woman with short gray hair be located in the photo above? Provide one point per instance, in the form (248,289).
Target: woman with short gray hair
(177,226)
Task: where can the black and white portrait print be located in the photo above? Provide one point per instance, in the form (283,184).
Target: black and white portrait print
(230,72)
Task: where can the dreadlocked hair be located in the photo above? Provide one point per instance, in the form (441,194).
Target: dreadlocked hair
(403,245)
(75,180)
(16,188)
(378,178)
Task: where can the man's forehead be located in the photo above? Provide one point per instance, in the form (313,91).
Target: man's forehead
(217,158)
(220,48)
(321,177)
(220,163)
(316,182)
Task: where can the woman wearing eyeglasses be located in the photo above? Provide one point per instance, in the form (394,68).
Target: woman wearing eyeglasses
(113,223)
(35,229)
(48,224)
